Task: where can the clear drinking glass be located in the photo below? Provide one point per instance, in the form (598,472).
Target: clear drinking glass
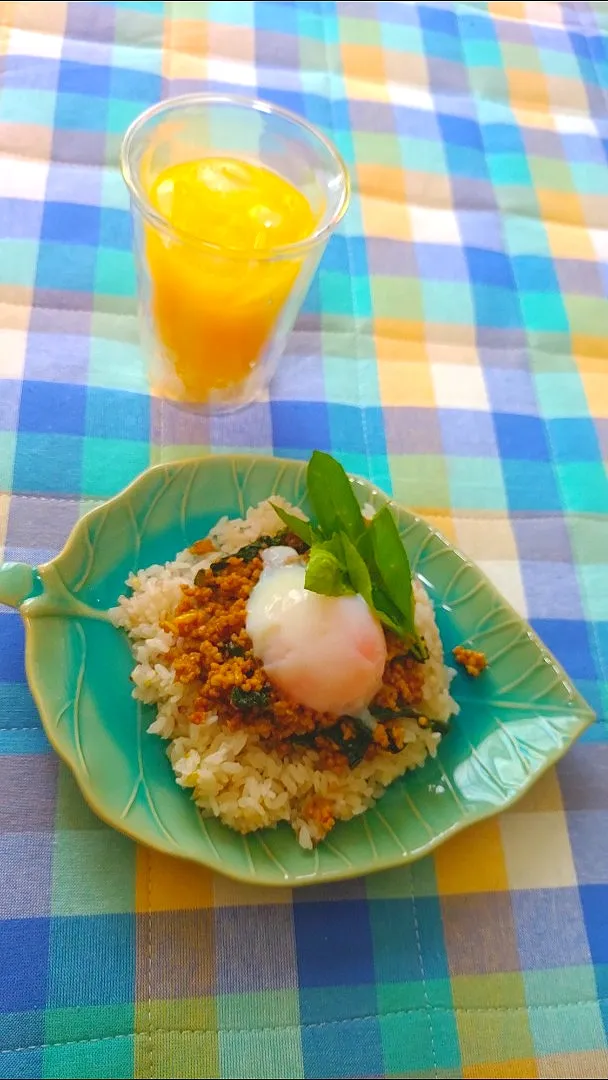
(214,319)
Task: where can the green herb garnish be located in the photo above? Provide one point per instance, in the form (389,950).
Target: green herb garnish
(419,650)
(349,556)
(302,529)
(406,712)
(250,551)
(249,699)
(246,553)
(353,746)
(232,648)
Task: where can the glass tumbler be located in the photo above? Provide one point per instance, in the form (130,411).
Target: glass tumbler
(215,317)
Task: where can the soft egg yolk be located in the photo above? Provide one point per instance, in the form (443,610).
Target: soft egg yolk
(325,652)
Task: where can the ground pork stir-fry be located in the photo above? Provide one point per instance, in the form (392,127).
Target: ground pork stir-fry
(473,661)
(214,654)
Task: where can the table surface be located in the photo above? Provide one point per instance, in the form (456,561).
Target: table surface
(454,348)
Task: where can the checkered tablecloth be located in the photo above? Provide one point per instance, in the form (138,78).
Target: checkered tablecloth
(454,348)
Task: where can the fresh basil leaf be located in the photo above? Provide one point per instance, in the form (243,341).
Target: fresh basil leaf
(249,699)
(325,572)
(393,566)
(303,529)
(249,551)
(353,746)
(357,570)
(419,650)
(387,612)
(332,497)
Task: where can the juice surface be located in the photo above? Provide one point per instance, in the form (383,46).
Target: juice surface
(214,314)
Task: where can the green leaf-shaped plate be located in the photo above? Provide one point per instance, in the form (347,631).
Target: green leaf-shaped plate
(515,721)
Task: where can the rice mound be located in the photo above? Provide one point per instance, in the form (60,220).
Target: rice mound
(231,775)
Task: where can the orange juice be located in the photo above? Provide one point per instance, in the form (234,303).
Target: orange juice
(215,305)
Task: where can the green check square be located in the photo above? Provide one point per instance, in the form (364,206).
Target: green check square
(417,879)
(506,169)
(120,114)
(372,466)
(550,174)
(191,10)
(268,1008)
(451,304)
(88,1022)
(414,994)
(349,381)
(420,481)
(521,57)
(71,811)
(476,483)
(584,487)
(587,539)
(108,465)
(483,54)
(561,394)
(8,441)
(262,1029)
(550,353)
(114,272)
(17,107)
(117,365)
(560,986)
(418,1028)
(587,314)
(93,873)
(588,179)
(18,262)
(489,81)
(423,155)
(113,189)
(576,1028)
(48,462)
(264,1054)
(544,311)
(345,295)
(105,1059)
(377,149)
(312,58)
(592,581)
(360,31)
(397,298)
(344,142)
(524,233)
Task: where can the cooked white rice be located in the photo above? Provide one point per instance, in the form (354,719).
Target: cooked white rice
(231,775)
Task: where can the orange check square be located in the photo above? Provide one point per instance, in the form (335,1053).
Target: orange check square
(516,1069)
(473,861)
(187,36)
(38,17)
(363,62)
(224,44)
(167,884)
(406,383)
(589,351)
(528,88)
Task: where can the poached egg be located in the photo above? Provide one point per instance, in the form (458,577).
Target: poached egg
(325,652)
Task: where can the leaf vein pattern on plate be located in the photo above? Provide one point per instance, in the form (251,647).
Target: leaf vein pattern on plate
(141,784)
(90,549)
(273,858)
(77,696)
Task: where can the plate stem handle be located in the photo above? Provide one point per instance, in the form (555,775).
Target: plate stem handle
(17,583)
